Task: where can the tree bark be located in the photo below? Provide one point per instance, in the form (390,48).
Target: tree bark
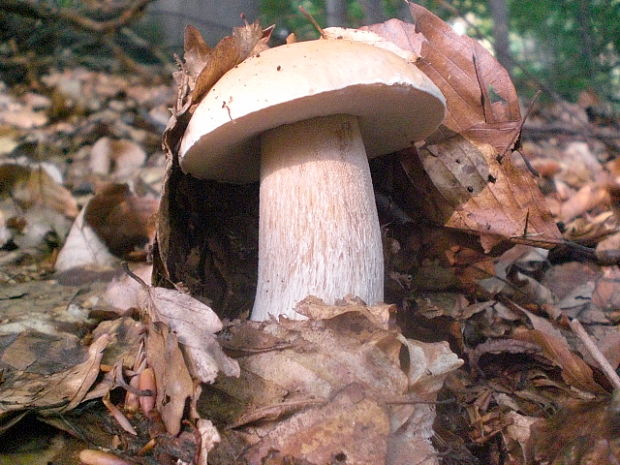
(585,31)
(499,13)
(336,12)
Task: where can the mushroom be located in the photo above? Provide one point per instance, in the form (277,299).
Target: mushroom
(305,118)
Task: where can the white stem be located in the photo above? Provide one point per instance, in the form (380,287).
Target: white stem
(319,231)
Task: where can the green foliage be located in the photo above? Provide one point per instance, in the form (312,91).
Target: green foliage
(571,45)
(563,45)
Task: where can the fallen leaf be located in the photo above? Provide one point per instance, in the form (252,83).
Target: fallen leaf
(466,182)
(351,428)
(228,52)
(195,325)
(196,51)
(119,158)
(575,371)
(122,220)
(303,380)
(83,249)
(174,383)
(606,293)
(30,186)
(58,391)
(462,186)
(579,433)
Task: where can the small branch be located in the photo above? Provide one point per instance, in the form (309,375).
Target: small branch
(313,21)
(47,13)
(517,134)
(578,329)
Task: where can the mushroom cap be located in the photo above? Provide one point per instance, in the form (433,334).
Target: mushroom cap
(396,104)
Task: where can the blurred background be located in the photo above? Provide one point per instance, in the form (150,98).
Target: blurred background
(566,48)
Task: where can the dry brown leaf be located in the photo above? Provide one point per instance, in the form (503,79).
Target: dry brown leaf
(174,383)
(350,428)
(468,74)
(83,249)
(119,158)
(400,33)
(55,391)
(193,322)
(30,186)
(465,186)
(228,52)
(196,51)
(587,198)
(298,379)
(459,185)
(591,229)
(575,371)
(122,220)
(608,250)
(606,293)
(580,433)
(195,325)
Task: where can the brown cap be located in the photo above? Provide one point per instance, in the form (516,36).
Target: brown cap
(396,104)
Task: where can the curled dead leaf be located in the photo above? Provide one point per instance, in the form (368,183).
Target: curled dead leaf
(302,380)
(575,371)
(120,159)
(31,185)
(124,221)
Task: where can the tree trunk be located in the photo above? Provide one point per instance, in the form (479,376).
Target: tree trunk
(373,11)
(585,31)
(499,12)
(336,12)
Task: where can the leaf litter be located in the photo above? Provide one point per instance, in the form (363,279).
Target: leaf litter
(391,398)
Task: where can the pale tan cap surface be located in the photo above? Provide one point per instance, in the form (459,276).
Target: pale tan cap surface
(396,104)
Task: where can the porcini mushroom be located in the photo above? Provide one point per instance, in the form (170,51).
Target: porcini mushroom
(305,118)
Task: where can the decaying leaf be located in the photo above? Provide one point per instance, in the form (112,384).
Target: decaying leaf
(83,249)
(339,373)
(465,176)
(575,371)
(195,325)
(207,66)
(31,185)
(580,433)
(24,388)
(122,220)
(174,383)
(119,158)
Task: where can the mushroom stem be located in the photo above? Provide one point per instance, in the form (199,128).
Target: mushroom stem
(319,231)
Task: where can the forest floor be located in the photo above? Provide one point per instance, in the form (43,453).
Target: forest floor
(530,388)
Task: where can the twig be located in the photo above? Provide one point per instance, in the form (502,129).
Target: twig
(313,21)
(517,134)
(577,328)
(134,276)
(47,13)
